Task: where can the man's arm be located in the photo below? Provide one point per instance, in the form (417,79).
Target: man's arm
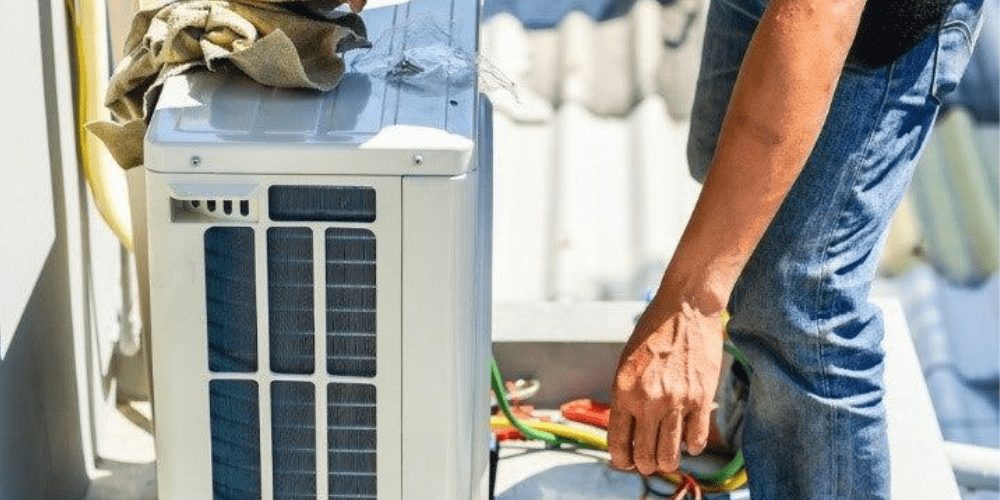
(670,366)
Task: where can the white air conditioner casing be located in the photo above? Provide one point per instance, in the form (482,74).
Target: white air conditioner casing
(320,285)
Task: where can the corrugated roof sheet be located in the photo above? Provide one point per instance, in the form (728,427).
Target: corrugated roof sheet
(592,189)
(956,193)
(607,66)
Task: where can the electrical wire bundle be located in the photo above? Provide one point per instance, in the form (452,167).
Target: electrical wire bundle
(693,485)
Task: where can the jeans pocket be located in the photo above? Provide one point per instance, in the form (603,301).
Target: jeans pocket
(955,41)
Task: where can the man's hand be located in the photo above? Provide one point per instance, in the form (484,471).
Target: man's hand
(664,387)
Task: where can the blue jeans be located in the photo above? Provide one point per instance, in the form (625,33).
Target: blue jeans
(813,422)
(978,90)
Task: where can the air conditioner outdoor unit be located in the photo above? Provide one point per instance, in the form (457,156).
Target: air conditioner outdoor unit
(320,284)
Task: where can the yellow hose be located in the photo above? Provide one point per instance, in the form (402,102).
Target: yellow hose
(106,179)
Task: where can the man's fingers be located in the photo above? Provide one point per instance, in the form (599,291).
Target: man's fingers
(668,449)
(620,428)
(644,445)
(356,5)
(696,429)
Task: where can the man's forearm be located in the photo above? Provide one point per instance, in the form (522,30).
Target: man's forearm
(775,115)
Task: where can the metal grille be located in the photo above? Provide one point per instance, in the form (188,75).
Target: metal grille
(290,299)
(350,302)
(350,295)
(235,440)
(322,203)
(230,299)
(293,434)
(352,442)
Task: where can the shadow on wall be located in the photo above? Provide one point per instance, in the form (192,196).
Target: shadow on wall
(41,448)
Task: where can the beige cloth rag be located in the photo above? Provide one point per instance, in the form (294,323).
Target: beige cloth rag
(277,46)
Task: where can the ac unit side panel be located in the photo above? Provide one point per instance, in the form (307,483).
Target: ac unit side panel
(229,357)
(484,307)
(440,339)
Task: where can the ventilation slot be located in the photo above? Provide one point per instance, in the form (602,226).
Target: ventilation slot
(213,210)
(293,430)
(230,299)
(235,439)
(322,203)
(352,441)
(350,302)
(290,299)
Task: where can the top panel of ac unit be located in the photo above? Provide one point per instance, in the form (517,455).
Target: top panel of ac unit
(406,106)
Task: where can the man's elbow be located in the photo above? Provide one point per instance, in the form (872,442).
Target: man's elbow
(833,22)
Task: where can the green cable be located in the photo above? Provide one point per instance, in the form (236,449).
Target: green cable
(736,464)
(740,358)
(496,380)
(731,469)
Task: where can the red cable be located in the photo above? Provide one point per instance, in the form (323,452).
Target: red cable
(588,412)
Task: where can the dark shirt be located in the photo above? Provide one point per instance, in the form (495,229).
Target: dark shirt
(890,28)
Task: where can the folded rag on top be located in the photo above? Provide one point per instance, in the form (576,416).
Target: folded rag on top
(277,43)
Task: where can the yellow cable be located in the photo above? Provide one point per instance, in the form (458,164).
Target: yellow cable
(106,180)
(737,481)
(592,440)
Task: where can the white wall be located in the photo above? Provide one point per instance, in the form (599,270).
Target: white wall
(45,449)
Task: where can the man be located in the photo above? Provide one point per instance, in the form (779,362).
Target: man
(804,169)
